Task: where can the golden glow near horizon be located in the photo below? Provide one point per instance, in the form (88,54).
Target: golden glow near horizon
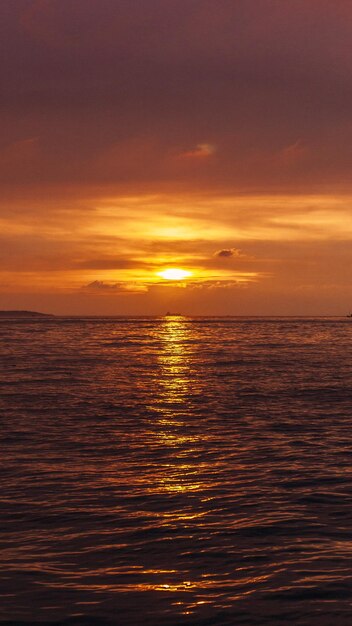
(174,273)
(234,250)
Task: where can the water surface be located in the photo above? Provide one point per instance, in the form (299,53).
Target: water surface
(176,471)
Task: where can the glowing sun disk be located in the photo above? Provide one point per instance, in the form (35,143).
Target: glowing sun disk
(174,273)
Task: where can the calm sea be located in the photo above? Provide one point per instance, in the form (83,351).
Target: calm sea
(159,471)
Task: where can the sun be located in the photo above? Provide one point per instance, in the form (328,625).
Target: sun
(174,273)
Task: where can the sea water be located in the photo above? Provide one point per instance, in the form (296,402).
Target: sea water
(176,471)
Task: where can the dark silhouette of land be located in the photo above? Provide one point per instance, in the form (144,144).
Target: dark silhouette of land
(24,314)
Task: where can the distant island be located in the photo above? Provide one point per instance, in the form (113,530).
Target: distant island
(24,314)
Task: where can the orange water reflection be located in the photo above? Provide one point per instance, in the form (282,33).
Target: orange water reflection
(182,475)
(173,429)
(175,380)
(176,438)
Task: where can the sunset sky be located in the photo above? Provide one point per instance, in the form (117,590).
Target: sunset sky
(212,136)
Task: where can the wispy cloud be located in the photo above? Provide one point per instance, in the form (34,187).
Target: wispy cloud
(101,286)
(200,151)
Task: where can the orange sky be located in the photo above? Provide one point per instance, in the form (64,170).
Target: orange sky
(194,134)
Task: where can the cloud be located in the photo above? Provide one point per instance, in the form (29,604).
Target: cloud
(109,263)
(201,151)
(294,151)
(226,253)
(100,286)
(224,283)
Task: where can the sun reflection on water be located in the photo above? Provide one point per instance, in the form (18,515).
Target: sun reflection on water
(184,474)
(176,439)
(172,428)
(174,360)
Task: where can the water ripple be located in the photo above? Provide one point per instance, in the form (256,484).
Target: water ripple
(173,471)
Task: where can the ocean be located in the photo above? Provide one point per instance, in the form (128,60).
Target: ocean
(176,470)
